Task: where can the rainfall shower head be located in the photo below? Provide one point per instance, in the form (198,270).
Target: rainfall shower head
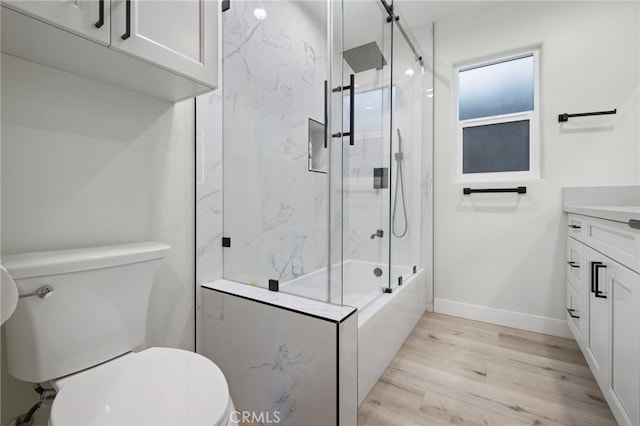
(365,57)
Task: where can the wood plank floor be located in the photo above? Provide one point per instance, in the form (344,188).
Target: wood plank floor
(456,371)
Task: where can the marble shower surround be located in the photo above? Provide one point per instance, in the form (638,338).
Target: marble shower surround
(276,210)
(278,216)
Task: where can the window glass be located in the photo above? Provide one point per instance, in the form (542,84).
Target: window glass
(502,147)
(500,88)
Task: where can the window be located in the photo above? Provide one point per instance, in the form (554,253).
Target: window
(497,106)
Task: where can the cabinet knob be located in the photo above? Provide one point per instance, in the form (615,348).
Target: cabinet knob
(572,226)
(573,264)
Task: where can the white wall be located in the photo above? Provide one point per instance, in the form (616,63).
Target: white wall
(85,163)
(506,252)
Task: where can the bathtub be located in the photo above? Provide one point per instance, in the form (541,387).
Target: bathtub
(385,320)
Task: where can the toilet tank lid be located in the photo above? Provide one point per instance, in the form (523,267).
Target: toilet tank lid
(29,265)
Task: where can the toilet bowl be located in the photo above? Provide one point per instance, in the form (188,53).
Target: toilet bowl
(79,334)
(158,386)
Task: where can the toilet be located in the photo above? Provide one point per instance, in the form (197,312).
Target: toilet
(81,315)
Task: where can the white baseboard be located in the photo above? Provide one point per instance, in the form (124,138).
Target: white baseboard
(529,322)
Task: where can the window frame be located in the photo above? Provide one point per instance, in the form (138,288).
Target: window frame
(533,116)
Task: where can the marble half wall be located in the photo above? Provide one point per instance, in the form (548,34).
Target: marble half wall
(293,358)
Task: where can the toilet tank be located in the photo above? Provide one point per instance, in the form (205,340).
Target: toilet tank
(96,311)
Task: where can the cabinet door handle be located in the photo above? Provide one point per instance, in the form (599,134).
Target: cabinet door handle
(127,34)
(100,22)
(572,226)
(571,311)
(598,293)
(572,264)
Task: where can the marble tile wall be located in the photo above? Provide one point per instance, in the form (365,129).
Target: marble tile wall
(209,225)
(209,187)
(277,360)
(275,209)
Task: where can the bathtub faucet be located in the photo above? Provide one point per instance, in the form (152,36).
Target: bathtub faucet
(379,233)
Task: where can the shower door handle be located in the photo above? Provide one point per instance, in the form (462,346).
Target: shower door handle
(326,113)
(352,107)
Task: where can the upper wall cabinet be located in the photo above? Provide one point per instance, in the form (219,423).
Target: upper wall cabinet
(163,48)
(178,35)
(87,18)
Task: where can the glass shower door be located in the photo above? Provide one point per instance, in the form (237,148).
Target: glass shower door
(365,100)
(406,144)
(275,179)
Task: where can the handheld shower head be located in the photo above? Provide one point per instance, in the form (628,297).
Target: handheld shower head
(399,155)
(399,190)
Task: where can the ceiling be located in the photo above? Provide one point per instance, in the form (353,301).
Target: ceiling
(417,13)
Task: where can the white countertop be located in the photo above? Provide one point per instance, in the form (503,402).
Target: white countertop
(618,203)
(335,313)
(617,213)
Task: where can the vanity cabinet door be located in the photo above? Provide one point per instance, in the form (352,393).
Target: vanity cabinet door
(576,315)
(624,388)
(178,35)
(599,297)
(575,265)
(87,18)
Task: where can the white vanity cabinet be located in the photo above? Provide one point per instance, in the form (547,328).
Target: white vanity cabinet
(164,48)
(603,307)
(624,386)
(597,344)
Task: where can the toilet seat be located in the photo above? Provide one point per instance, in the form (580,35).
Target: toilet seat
(157,386)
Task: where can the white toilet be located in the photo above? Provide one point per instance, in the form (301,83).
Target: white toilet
(87,314)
